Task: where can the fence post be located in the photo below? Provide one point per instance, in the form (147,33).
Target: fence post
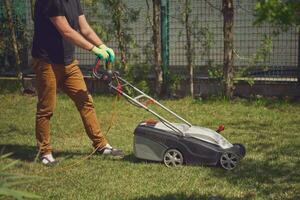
(165,42)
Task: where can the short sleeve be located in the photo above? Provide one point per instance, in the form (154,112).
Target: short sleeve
(80,12)
(54,8)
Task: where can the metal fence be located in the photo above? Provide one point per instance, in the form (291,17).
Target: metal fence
(258,51)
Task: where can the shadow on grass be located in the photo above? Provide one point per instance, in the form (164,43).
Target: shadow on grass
(273,176)
(13,129)
(132,159)
(180,196)
(29,153)
(269,177)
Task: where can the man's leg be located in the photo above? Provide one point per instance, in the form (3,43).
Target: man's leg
(46,90)
(75,87)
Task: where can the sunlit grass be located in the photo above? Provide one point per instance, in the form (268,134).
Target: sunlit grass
(269,130)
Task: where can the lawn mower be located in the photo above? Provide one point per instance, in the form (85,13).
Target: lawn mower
(173,144)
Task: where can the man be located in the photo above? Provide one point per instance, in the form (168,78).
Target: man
(56,26)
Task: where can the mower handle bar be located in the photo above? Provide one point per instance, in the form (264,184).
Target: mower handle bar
(156,102)
(142,94)
(135,101)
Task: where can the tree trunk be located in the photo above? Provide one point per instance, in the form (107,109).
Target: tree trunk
(117,16)
(157,47)
(122,46)
(298,56)
(189,51)
(228,15)
(11,27)
(32,3)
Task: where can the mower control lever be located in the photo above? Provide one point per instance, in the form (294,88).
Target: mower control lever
(105,73)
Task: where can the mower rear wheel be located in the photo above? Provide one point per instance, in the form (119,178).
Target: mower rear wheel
(173,158)
(229,161)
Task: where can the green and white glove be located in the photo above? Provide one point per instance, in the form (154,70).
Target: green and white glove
(110,52)
(100,53)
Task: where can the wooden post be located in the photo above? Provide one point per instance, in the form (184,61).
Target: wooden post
(228,16)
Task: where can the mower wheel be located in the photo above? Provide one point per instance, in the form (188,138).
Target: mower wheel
(229,160)
(173,158)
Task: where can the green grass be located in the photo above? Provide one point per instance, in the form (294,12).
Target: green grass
(269,130)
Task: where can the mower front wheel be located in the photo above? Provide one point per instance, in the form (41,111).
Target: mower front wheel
(229,161)
(173,158)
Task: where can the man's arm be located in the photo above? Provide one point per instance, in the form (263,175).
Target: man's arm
(62,25)
(87,32)
(92,37)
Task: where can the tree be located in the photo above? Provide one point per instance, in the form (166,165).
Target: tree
(155,25)
(284,14)
(32,3)
(11,27)
(189,48)
(195,33)
(121,16)
(14,37)
(228,16)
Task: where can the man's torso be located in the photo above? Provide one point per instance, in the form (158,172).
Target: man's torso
(48,44)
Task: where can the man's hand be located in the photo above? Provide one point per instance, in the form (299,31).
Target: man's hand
(100,53)
(110,52)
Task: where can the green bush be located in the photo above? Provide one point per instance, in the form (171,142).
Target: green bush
(137,74)
(8,85)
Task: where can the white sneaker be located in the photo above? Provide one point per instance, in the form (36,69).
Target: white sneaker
(48,159)
(109,150)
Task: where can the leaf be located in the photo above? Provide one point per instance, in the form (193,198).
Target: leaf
(9,165)
(9,180)
(5,155)
(17,194)
(6,174)
(14,177)
(17,180)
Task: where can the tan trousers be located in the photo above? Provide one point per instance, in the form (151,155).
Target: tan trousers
(70,79)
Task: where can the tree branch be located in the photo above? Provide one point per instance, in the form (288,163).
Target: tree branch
(213,6)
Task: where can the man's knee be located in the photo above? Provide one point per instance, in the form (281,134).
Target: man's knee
(45,108)
(83,100)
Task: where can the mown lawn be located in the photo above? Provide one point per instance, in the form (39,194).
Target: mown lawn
(269,130)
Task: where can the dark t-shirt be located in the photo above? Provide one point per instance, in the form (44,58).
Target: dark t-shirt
(48,44)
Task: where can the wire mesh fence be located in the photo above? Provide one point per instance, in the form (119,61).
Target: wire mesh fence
(260,52)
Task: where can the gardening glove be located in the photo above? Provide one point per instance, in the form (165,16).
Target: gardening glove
(100,53)
(110,52)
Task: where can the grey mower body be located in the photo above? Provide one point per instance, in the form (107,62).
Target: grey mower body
(203,146)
